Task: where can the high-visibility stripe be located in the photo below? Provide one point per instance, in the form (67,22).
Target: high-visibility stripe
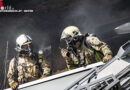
(98,58)
(71,67)
(75,61)
(11,81)
(86,60)
(96,47)
(106,51)
(93,54)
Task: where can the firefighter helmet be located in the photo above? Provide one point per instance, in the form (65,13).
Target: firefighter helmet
(70,31)
(23,42)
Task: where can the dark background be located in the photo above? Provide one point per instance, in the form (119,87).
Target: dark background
(50,17)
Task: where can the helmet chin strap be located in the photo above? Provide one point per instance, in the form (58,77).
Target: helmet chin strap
(30,53)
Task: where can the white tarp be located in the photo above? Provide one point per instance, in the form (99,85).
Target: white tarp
(58,81)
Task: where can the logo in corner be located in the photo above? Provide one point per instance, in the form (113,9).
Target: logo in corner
(1,5)
(8,8)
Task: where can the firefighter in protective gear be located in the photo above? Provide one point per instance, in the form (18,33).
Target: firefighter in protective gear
(27,65)
(83,49)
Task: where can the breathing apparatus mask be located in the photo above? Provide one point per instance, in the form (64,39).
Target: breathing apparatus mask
(71,41)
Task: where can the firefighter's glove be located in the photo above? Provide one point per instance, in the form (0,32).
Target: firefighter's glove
(107,58)
(44,76)
(14,85)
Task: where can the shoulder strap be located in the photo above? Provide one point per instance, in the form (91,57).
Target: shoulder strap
(86,43)
(90,47)
(35,57)
(15,68)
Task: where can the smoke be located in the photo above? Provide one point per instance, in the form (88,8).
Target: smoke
(50,17)
(123,29)
(88,15)
(14,26)
(11,28)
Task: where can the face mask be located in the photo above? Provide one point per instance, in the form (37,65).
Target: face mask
(72,41)
(26,49)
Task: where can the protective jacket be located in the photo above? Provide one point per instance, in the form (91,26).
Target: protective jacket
(24,69)
(92,50)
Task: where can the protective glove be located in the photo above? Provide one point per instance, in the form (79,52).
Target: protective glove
(107,58)
(42,77)
(14,85)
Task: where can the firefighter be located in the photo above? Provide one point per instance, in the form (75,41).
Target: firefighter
(82,50)
(26,66)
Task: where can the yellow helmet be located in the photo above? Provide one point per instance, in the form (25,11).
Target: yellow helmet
(70,31)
